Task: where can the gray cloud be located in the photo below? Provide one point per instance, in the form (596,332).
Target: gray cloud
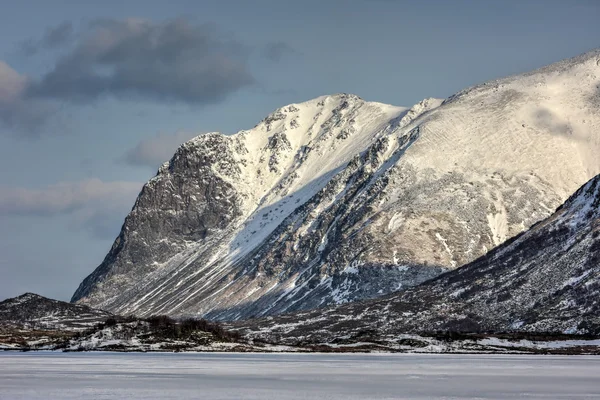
(58,35)
(154,151)
(276,51)
(174,60)
(18,112)
(100,223)
(67,197)
(169,61)
(55,36)
(104,225)
(91,205)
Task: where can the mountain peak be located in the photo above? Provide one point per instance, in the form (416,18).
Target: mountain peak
(338,199)
(28,296)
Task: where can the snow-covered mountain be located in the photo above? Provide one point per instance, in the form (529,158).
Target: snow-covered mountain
(546,279)
(338,199)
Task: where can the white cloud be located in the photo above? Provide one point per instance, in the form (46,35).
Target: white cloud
(12,84)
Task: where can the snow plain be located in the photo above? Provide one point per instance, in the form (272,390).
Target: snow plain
(295,376)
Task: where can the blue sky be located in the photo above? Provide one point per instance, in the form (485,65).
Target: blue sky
(95,95)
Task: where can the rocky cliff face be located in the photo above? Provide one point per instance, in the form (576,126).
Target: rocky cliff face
(544,280)
(339,199)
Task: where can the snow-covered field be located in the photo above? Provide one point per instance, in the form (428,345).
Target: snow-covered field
(295,376)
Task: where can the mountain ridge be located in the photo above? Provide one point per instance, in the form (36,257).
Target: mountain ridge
(338,199)
(544,280)
(32,311)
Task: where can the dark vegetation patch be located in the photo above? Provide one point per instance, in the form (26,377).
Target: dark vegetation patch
(173,334)
(165,326)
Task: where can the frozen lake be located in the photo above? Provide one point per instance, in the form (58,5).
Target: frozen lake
(295,376)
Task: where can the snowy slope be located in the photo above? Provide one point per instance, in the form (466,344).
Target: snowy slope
(338,199)
(544,280)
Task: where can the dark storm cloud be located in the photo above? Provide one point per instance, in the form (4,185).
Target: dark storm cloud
(53,37)
(173,61)
(276,51)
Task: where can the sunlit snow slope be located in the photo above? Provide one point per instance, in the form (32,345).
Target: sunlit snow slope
(338,199)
